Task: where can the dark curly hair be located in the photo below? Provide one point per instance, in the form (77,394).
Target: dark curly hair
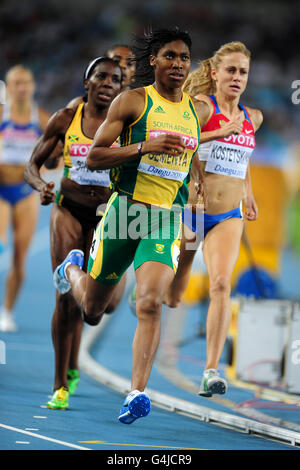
(149,44)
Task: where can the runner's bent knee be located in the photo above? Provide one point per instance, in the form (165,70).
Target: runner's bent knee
(92,307)
(149,304)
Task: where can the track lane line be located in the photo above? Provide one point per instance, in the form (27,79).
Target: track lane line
(45,438)
(142,445)
(244,425)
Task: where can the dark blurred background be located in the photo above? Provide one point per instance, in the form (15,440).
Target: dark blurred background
(57,38)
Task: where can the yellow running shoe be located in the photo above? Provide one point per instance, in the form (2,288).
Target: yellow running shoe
(60,399)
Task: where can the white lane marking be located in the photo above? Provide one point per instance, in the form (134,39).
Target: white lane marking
(39,436)
(40,242)
(22,442)
(174,404)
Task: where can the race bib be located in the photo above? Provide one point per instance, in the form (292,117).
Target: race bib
(17,145)
(175,255)
(229,160)
(94,246)
(79,171)
(167,166)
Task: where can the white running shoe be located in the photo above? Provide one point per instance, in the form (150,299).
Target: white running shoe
(212,384)
(7,323)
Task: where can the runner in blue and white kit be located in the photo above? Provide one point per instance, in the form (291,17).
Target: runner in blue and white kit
(22,122)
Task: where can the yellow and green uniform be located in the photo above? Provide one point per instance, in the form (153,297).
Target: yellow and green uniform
(76,147)
(161,180)
(137,232)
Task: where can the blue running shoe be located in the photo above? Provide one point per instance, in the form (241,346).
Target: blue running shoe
(132,301)
(60,280)
(136,405)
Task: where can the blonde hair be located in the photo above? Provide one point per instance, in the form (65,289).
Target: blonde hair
(17,68)
(200,81)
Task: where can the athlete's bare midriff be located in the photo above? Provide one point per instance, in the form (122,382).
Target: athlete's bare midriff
(11,174)
(224,193)
(85,195)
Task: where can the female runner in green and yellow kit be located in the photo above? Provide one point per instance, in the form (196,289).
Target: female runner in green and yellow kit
(159,131)
(159,181)
(74,214)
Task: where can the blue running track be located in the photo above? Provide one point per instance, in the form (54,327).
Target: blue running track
(91,420)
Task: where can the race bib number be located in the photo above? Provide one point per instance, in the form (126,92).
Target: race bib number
(173,167)
(228,160)
(79,171)
(17,145)
(94,246)
(175,255)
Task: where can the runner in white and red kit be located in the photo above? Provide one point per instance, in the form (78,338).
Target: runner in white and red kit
(227,156)
(226,144)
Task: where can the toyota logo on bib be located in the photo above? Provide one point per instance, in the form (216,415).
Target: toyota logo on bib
(79,150)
